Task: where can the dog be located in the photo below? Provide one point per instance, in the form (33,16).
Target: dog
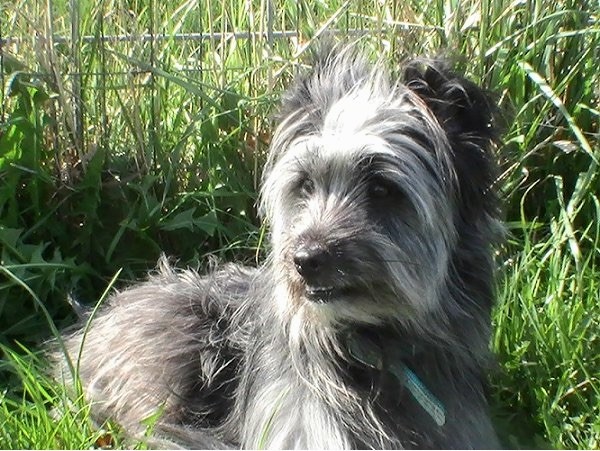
(368,325)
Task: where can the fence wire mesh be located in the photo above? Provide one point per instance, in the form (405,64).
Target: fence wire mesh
(130,70)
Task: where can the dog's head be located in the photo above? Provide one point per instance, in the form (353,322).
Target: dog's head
(372,186)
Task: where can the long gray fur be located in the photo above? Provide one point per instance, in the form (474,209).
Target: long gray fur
(380,201)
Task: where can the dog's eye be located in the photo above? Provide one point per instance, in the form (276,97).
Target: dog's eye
(307,186)
(379,189)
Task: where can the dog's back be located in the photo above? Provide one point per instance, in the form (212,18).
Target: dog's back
(163,349)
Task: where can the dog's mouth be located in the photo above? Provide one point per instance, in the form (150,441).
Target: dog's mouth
(323,294)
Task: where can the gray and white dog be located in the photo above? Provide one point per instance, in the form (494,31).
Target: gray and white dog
(368,326)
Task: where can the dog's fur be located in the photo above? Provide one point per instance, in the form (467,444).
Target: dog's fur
(382,211)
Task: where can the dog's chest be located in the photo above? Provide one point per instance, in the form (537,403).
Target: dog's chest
(286,415)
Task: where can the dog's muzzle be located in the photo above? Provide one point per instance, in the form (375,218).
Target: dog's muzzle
(314,263)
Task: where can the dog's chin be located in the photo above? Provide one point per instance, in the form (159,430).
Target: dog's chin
(342,305)
(325,305)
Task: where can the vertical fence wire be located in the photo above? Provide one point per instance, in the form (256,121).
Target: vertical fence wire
(2,83)
(250,43)
(269,6)
(102,77)
(153,93)
(200,59)
(76,77)
(299,36)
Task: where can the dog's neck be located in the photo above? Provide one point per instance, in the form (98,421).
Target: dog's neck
(389,357)
(303,376)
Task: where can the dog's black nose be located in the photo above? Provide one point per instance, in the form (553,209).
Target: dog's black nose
(310,260)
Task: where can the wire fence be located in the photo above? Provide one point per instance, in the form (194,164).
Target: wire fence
(124,69)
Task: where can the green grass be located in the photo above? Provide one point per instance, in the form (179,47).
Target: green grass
(26,416)
(111,151)
(546,337)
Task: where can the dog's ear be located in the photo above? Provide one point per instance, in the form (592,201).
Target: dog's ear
(470,117)
(461,107)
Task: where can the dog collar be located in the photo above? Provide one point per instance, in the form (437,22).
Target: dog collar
(370,354)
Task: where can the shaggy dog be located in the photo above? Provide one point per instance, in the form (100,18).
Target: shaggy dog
(368,325)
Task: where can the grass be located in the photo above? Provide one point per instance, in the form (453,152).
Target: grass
(546,336)
(113,150)
(26,417)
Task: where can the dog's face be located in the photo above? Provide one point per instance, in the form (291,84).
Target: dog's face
(363,190)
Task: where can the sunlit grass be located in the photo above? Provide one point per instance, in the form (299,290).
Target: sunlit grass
(121,149)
